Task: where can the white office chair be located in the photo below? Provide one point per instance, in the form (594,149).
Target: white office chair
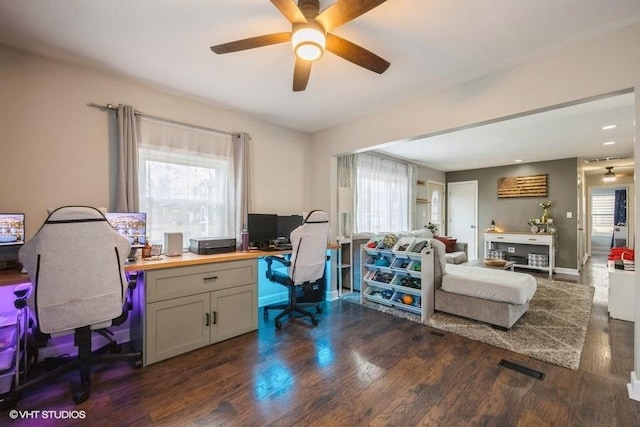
(305,268)
(76,265)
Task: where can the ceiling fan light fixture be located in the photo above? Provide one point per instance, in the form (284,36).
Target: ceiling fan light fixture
(609,175)
(308,43)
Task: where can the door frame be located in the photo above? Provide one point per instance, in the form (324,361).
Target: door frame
(472,246)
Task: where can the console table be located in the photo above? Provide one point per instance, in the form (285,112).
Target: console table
(529,242)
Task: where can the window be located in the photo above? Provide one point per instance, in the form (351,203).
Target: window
(186,181)
(602,206)
(436,211)
(382,188)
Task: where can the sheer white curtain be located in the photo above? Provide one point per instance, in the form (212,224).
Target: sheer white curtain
(384,189)
(187,179)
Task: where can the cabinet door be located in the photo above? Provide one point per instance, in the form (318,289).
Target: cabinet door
(177,326)
(234,311)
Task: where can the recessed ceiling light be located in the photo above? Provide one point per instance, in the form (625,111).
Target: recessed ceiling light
(518,161)
(608,143)
(607,127)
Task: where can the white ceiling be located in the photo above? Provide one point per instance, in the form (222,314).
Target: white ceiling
(561,133)
(431,45)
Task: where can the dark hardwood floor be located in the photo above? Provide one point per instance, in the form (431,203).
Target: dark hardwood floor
(359,367)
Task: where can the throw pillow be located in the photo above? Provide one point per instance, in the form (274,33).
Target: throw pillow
(449,243)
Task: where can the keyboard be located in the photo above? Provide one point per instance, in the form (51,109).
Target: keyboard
(275,248)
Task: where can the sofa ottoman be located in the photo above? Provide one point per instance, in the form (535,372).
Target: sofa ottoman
(493,296)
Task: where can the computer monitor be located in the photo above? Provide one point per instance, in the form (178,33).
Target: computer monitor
(11,229)
(132,225)
(262,228)
(286,224)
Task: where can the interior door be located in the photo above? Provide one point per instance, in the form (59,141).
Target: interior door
(462,214)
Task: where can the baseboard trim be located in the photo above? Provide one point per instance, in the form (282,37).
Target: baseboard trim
(634,387)
(569,271)
(332,295)
(280,297)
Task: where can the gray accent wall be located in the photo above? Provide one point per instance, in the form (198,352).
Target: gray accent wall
(512,214)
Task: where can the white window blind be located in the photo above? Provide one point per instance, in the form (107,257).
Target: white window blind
(602,206)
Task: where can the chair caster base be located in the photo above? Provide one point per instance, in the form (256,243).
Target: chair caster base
(80,396)
(9,401)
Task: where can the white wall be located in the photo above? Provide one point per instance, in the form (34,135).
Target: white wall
(54,148)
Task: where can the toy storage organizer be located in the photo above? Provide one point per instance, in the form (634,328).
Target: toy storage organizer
(393,274)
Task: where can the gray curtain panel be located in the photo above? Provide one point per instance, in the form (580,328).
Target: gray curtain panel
(127,193)
(241,159)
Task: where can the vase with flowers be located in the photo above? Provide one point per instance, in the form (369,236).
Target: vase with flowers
(545,211)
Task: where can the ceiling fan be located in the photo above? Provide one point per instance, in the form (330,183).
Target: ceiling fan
(310,36)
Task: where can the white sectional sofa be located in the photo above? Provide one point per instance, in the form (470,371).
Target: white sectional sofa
(493,296)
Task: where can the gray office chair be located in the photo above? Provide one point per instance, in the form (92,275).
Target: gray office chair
(76,265)
(305,268)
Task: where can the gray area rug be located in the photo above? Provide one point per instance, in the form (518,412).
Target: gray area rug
(552,330)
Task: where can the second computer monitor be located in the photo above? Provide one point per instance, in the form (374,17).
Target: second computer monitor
(132,225)
(286,224)
(11,229)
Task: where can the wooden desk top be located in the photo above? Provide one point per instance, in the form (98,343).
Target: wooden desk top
(13,276)
(189,258)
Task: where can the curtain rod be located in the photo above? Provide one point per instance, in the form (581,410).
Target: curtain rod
(114,108)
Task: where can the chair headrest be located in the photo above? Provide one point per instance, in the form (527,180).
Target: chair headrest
(316,217)
(74,213)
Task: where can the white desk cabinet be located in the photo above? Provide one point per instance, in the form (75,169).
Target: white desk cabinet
(532,241)
(621,294)
(190,307)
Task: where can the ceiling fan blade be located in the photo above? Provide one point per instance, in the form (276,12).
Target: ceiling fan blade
(290,10)
(301,73)
(356,54)
(343,11)
(252,42)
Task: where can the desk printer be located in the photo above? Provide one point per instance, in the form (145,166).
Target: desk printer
(211,245)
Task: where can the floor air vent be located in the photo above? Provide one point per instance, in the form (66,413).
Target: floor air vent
(438,334)
(522,369)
